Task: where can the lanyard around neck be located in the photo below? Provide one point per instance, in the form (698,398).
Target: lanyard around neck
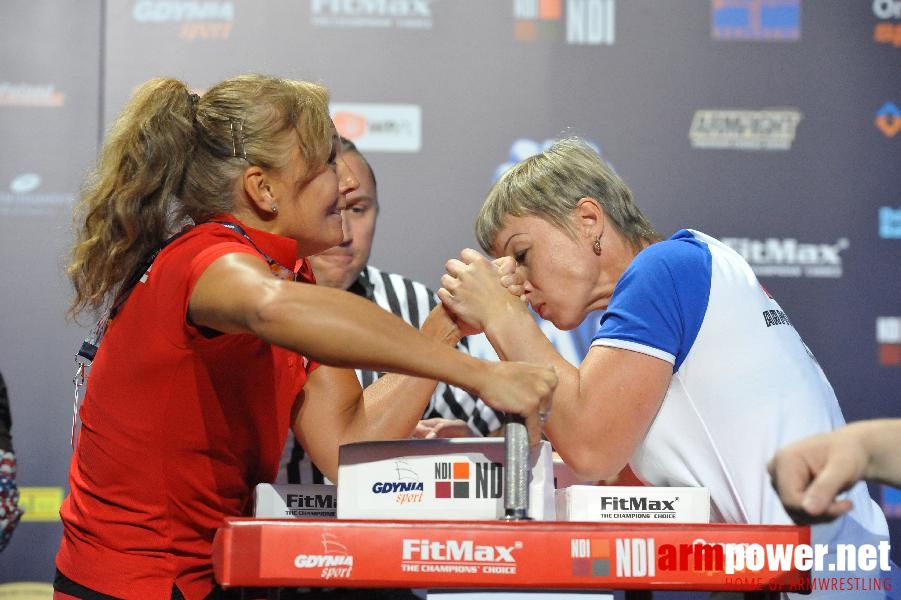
(278,269)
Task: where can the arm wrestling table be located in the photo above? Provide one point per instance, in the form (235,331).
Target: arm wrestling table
(488,554)
(513,553)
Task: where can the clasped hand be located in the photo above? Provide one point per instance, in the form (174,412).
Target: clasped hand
(479,292)
(476,290)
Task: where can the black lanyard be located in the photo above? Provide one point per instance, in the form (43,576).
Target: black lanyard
(278,269)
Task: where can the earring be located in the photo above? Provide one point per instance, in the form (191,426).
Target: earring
(274,209)
(596,246)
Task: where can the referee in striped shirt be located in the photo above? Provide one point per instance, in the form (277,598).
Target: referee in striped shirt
(452,412)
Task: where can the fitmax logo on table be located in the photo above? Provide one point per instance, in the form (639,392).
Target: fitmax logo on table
(426,555)
(633,507)
(310,505)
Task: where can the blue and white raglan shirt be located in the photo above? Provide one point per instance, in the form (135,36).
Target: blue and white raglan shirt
(744,385)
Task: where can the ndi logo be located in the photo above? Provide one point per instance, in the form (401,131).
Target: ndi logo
(587,22)
(640,557)
(890,223)
(590,557)
(453,479)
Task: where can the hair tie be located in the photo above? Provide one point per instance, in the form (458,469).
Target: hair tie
(194,98)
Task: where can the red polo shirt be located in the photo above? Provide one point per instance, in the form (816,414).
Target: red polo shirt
(177,429)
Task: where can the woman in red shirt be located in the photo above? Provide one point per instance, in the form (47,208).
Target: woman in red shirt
(213,350)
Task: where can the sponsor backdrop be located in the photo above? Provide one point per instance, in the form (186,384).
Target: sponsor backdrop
(771,124)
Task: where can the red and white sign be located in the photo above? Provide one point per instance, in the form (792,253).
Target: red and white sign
(493,554)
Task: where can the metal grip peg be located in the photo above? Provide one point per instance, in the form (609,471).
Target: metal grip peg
(516,470)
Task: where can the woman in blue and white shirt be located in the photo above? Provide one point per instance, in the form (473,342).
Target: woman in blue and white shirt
(695,376)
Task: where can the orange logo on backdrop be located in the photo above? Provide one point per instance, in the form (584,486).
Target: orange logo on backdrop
(888,119)
(889,124)
(887,33)
(350,125)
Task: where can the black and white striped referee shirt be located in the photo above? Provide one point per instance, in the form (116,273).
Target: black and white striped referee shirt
(411,301)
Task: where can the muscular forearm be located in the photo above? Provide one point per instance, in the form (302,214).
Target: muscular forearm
(516,336)
(520,338)
(340,329)
(335,411)
(237,294)
(600,411)
(394,404)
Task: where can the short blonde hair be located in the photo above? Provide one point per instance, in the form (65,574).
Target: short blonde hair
(550,184)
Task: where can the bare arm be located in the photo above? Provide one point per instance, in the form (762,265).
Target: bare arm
(381,396)
(334,411)
(438,427)
(237,294)
(810,473)
(600,411)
